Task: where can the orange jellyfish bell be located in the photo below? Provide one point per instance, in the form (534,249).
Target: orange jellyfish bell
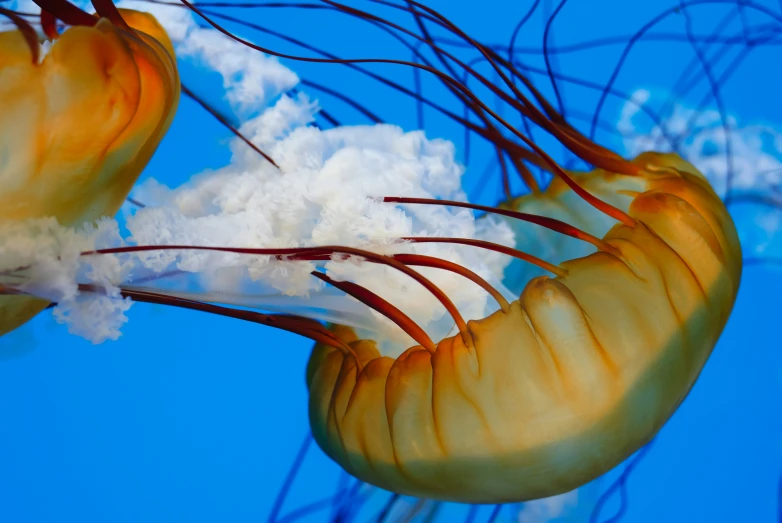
(567,381)
(80,123)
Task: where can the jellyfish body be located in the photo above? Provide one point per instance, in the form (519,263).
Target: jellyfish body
(78,126)
(578,373)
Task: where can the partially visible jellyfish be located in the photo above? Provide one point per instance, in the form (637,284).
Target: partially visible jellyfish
(82,114)
(357,454)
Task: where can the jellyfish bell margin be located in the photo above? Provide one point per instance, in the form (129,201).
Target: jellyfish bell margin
(79,123)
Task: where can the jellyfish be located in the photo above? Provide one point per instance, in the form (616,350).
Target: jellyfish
(82,115)
(559,386)
(663,242)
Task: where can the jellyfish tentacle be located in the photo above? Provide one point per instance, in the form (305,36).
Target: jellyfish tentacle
(516,253)
(316,251)
(49,25)
(608,209)
(431,261)
(521,169)
(362,294)
(107,9)
(581,146)
(503,143)
(300,325)
(549,223)
(391,312)
(571,138)
(224,121)
(291,323)
(67,12)
(326,252)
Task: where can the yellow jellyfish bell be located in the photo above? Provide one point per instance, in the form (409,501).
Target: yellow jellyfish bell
(78,125)
(564,383)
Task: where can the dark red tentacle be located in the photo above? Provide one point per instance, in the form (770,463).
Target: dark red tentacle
(67,12)
(107,9)
(370,299)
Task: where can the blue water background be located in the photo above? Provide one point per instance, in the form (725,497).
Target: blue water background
(194,418)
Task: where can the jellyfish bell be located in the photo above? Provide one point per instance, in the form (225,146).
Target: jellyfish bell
(551,392)
(80,118)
